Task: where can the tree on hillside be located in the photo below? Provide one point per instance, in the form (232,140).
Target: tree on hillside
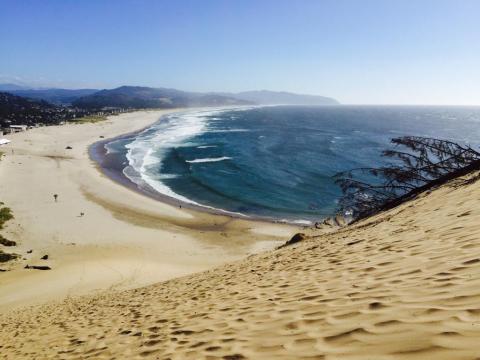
(416,164)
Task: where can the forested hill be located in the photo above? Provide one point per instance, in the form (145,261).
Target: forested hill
(16,110)
(137,97)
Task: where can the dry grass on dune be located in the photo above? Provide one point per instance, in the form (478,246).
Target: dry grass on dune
(402,285)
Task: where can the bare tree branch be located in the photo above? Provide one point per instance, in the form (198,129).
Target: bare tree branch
(424,161)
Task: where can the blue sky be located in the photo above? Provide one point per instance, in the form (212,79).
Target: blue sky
(367,52)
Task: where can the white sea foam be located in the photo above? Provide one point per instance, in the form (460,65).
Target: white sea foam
(298,222)
(207,160)
(206,146)
(302,222)
(146,153)
(228,130)
(110,148)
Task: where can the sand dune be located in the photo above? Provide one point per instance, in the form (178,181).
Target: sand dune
(402,285)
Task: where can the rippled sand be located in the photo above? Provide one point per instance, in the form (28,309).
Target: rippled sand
(402,285)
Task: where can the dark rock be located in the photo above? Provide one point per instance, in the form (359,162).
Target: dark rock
(29,251)
(295,239)
(68,148)
(44,257)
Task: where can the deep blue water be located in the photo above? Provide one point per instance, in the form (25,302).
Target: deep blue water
(276,162)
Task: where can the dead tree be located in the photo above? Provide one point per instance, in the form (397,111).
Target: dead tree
(420,163)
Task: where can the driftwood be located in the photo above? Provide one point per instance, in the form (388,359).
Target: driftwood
(35,267)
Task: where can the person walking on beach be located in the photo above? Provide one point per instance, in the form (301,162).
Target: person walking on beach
(55,197)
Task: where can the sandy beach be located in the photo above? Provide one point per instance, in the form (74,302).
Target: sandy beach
(124,239)
(404,284)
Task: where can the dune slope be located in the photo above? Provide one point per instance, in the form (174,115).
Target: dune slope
(402,285)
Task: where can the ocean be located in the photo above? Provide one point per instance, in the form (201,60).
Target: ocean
(274,162)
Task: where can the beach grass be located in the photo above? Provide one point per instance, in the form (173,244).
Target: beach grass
(5,215)
(5,242)
(91,119)
(4,257)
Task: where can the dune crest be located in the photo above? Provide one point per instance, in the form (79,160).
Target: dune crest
(402,285)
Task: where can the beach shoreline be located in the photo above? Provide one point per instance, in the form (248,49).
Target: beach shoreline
(97,154)
(124,239)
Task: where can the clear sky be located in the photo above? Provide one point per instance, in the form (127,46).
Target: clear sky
(358,51)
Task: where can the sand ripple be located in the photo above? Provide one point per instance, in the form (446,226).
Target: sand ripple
(402,285)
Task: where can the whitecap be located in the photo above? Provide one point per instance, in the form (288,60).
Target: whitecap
(228,130)
(302,222)
(110,148)
(206,160)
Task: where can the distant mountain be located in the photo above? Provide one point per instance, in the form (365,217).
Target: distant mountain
(147,97)
(56,96)
(138,97)
(265,97)
(135,97)
(12,87)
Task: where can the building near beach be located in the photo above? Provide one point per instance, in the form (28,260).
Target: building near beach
(13,129)
(18,128)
